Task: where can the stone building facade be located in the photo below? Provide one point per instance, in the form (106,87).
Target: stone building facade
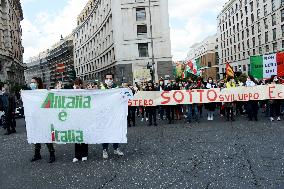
(114,36)
(11,49)
(247,28)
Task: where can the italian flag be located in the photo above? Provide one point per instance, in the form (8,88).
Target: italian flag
(264,66)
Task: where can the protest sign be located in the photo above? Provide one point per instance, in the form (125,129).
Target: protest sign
(76,116)
(156,98)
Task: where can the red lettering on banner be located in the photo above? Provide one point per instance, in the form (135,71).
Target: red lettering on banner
(280,95)
(256,96)
(190,95)
(208,95)
(270,92)
(151,102)
(182,96)
(246,96)
(129,103)
(221,97)
(240,96)
(167,99)
(200,95)
(228,97)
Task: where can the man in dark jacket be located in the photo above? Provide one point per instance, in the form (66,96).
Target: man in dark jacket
(9,107)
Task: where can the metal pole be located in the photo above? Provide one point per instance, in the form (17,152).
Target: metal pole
(152,42)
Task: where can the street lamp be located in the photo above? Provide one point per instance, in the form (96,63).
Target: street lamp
(152,42)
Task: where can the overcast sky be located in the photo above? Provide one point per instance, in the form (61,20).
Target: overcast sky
(46,20)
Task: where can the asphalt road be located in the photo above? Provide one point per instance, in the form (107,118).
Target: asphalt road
(216,154)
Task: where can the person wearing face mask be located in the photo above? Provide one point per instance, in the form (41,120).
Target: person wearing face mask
(210,106)
(81,150)
(170,113)
(109,84)
(151,109)
(252,105)
(229,106)
(274,105)
(59,85)
(36,83)
(161,87)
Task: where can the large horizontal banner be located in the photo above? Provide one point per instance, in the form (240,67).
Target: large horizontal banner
(155,98)
(76,116)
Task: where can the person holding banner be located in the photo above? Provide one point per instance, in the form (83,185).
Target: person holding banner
(210,106)
(192,108)
(36,83)
(81,150)
(252,105)
(109,84)
(274,105)
(229,106)
(151,109)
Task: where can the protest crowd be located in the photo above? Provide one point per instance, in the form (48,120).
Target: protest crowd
(187,113)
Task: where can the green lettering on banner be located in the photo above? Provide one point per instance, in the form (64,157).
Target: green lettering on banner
(69,136)
(70,102)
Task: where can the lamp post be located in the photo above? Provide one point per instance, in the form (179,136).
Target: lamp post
(152,42)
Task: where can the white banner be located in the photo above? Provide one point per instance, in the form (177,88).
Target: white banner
(269,65)
(76,116)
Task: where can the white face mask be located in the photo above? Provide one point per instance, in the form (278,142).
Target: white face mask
(109,82)
(210,81)
(275,79)
(33,86)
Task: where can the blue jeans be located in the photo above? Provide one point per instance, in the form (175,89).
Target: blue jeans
(192,112)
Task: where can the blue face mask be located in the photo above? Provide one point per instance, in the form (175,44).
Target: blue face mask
(33,86)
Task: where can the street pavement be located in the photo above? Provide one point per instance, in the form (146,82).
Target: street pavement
(215,154)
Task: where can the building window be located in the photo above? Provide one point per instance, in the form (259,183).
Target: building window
(273,5)
(282,2)
(282,28)
(267,48)
(143,49)
(142,30)
(259,40)
(275,46)
(209,64)
(266,37)
(251,6)
(260,50)
(265,10)
(265,23)
(244,68)
(252,18)
(253,42)
(258,14)
(273,20)
(282,15)
(274,34)
(140,14)
(282,44)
